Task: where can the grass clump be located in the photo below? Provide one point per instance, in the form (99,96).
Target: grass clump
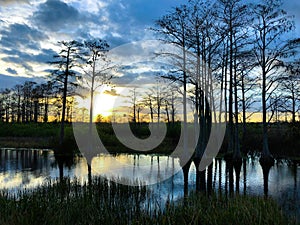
(200,209)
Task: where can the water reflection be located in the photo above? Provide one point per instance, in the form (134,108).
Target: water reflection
(29,168)
(23,168)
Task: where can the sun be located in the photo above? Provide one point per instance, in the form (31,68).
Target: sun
(103,104)
(107,102)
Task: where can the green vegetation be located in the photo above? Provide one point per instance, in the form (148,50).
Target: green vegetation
(200,209)
(35,135)
(46,135)
(283,137)
(29,129)
(107,202)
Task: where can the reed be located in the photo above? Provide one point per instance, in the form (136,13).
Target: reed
(108,202)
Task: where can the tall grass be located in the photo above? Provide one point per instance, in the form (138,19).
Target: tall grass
(66,202)
(107,202)
(246,210)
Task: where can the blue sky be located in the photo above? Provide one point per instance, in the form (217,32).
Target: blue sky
(30,29)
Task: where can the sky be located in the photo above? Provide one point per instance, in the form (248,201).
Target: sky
(30,29)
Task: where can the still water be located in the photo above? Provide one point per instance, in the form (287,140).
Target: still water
(23,168)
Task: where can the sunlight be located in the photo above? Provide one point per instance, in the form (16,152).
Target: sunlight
(104,104)
(107,102)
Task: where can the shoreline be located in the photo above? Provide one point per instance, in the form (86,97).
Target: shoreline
(32,146)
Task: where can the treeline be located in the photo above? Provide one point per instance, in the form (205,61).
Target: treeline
(78,69)
(32,102)
(158,103)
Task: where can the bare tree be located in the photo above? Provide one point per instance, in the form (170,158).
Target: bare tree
(98,69)
(64,75)
(148,102)
(134,101)
(290,89)
(270,49)
(47,93)
(173,29)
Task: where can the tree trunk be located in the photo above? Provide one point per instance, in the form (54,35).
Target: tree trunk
(265,152)
(230,109)
(19,109)
(151,110)
(266,156)
(46,110)
(92,101)
(62,125)
(35,116)
(244,113)
(237,153)
(293,106)
(167,112)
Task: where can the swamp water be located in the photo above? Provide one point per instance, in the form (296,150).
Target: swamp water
(23,168)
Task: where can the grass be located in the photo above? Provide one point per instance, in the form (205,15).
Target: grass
(29,129)
(107,202)
(46,135)
(200,209)
(284,138)
(66,202)
(28,135)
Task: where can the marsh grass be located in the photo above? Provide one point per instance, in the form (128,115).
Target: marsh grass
(46,135)
(108,202)
(66,202)
(200,209)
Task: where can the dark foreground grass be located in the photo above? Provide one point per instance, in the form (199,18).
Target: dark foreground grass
(105,202)
(200,209)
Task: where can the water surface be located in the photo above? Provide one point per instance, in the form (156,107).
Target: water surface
(23,168)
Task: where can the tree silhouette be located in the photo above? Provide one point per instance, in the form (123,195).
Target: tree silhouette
(270,49)
(97,69)
(64,76)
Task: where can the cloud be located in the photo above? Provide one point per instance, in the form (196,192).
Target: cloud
(19,36)
(72,20)
(30,28)
(21,62)
(114,40)
(143,81)
(11,71)
(55,15)
(11,81)
(28,61)
(22,49)
(8,2)
(111,92)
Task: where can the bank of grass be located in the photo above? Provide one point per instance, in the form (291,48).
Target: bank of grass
(284,138)
(46,135)
(28,135)
(29,129)
(106,202)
